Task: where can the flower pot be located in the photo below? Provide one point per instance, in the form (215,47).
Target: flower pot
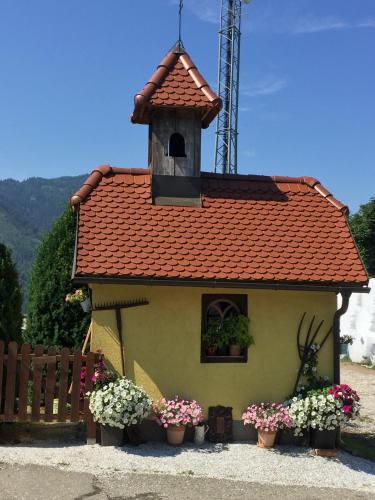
(86,305)
(234,350)
(266,439)
(344,349)
(211,351)
(325,440)
(111,436)
(199,434)
(175,435)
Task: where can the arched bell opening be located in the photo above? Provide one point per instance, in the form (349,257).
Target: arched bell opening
(176,146)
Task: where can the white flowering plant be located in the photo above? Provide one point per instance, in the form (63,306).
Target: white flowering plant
(120,403)
(320,410)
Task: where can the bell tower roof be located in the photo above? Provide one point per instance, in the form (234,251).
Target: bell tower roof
(175,84)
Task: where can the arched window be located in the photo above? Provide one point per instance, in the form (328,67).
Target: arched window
(216,309)
(220,309)
(176,146)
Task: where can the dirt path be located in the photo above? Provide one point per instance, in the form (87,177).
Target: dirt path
(363,380)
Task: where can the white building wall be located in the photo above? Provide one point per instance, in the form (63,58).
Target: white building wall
(359,322)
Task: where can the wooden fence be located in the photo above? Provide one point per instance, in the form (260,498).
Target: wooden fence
(45,387)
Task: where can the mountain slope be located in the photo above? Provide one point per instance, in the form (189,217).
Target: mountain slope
(27,210)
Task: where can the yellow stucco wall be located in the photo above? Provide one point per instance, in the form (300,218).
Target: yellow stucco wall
(162,343)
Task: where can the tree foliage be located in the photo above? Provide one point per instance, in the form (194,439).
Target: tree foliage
(363,228)
(27,210)
(51,320)
(10,298)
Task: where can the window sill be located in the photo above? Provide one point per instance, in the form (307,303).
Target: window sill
(224,359)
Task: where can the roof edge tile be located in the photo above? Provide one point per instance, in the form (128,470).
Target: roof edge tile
(97,175)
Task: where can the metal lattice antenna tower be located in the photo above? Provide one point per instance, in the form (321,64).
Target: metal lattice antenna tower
(228,82)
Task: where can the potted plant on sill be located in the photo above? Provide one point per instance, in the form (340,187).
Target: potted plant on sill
(322,412)
(236,328)
(267,418)
(116,405)
(81,297)
(213,338)
(175,414)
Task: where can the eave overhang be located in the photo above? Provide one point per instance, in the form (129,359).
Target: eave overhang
(265,285)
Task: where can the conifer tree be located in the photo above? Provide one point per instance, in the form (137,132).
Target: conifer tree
(51,320)
(10,298)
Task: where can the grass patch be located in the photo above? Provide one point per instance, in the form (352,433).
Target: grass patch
(358,446)
(345,359)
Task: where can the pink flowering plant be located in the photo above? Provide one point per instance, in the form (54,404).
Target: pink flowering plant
(177,412)
(348,399)
(267,416)
(100,377)
(325,409)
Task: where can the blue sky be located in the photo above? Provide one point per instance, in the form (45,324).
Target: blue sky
(69,70)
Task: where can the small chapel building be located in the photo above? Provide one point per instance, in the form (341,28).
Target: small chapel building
(184,246)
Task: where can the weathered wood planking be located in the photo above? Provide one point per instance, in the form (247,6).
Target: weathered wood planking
(90,424)
(76,387)
(50,384)
(10,389)
(22,373)
(24,382)
(63,385)
(37,385)
(2,346)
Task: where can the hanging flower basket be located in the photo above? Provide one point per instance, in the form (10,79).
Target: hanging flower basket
(79,297)
(86,305)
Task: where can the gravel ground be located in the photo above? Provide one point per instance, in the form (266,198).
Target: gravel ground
(363,380)
(237,461)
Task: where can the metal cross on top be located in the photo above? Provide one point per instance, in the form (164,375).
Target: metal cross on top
(180,19)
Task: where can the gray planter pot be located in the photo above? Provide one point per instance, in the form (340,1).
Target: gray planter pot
(111,436)
(325,440)
(344,349)
(86,305)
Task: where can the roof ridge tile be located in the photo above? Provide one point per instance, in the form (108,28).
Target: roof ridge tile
(208,102)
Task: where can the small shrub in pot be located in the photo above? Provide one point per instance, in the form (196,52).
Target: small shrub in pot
(119,404)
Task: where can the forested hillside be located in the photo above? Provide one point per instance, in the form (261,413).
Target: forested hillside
(27,210)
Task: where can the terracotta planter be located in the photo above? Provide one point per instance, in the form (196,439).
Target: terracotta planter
(111,436)
(234,350)
(211,351)
(266,439)
(175,435)
(324,440)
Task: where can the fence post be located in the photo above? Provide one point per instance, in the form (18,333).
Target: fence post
(63,384)
(90,424)
(50,384)
(38,363)
(1,373)
(11,381)
(24,382)
(76,387)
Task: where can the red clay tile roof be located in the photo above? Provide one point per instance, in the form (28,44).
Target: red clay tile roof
(176,83)
(249,229)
